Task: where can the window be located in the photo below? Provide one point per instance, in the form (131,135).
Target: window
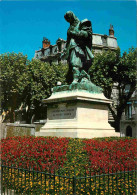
(129,110)
(104,40)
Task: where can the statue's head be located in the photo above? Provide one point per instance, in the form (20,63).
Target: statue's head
(70,17)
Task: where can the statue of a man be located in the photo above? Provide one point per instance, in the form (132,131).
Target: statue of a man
(79,46)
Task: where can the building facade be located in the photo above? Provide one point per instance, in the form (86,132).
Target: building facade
(128,124)
(53,53)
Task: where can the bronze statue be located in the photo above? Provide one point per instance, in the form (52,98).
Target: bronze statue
(79,55)
(79,48)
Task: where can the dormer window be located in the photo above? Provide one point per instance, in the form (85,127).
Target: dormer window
(104,40)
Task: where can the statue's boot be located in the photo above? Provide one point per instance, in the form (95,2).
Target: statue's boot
(76,74)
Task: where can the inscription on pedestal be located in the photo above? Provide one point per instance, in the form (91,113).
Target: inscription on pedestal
(62,113)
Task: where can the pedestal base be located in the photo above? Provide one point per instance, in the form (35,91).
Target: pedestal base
(77,114)
(77,133)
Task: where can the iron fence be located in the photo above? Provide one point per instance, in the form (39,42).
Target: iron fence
(22,181)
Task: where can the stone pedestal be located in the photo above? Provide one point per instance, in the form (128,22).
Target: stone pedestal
(77,114)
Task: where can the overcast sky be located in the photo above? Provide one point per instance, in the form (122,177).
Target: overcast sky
(23,24)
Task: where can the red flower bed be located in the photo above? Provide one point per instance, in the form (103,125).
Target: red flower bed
(111,155)
(37,152)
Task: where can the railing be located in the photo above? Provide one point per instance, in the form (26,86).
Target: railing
(16,180)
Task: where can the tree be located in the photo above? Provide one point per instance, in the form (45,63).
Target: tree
(110,69)
(25,83)
(42,78)
(13,81)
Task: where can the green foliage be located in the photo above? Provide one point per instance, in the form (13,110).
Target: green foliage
(13,71)
(25,82)
(43,77)
(13,79)
(104,69)
(128,67)
(110,69)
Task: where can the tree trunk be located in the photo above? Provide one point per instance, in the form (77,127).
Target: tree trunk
(116,113)
(12,116)
(117,124)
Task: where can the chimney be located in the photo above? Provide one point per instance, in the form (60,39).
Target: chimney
(111,31)
(45,43)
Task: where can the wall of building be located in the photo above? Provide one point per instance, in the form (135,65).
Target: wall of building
(128,128)
(128,124)
(53,53)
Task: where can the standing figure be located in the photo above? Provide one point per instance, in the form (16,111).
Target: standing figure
(78,49)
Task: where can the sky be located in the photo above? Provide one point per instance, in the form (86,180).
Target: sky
(23,24)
